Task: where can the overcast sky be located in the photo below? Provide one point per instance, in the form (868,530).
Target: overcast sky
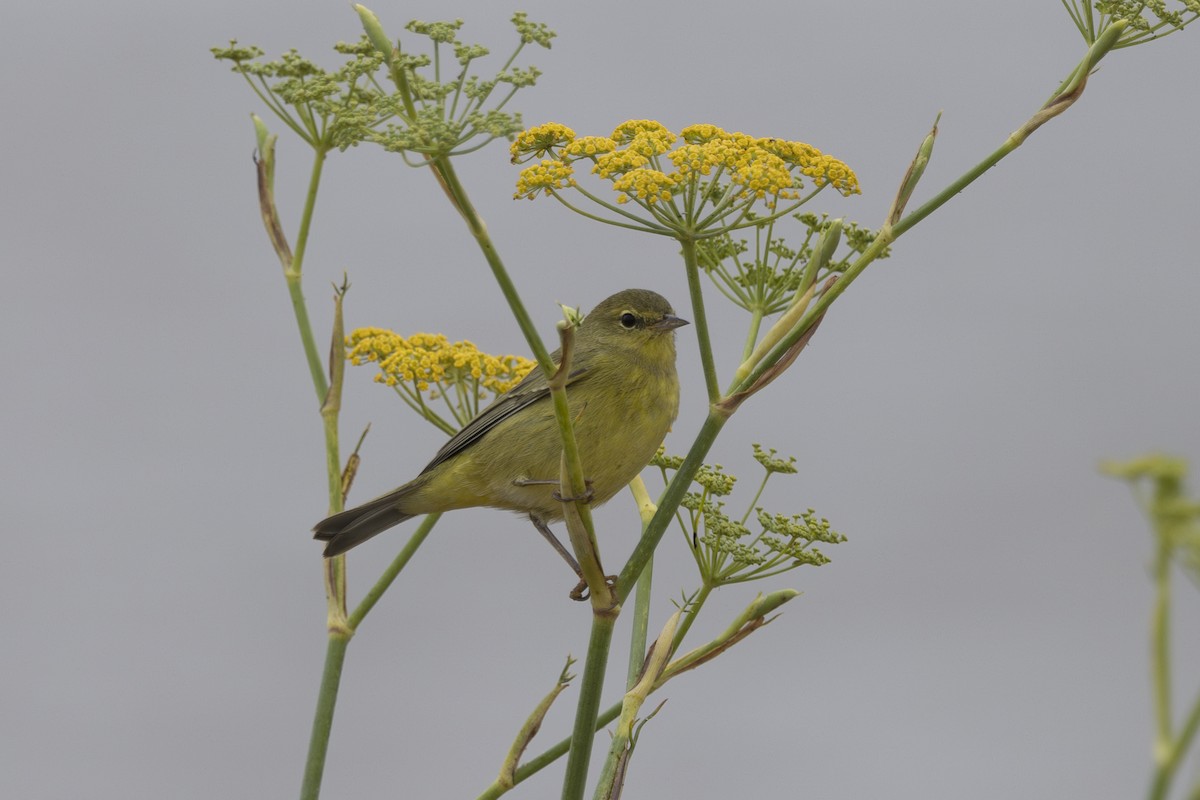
(983,633)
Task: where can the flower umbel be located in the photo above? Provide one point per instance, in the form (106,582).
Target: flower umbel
(726,549)
(544,178)
(699,183)
(540,141)
(426,367)
(438,108)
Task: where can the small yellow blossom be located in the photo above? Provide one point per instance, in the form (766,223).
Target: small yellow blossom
(550,174)
(841,177)
(762,174)
(699,158)
(540,140)
(646,184)
(589,146)
(814,164)
(644,136)
(618,162)
(701,133)
(429,362)
(797,153)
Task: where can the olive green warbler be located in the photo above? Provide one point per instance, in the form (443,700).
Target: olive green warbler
(623,394)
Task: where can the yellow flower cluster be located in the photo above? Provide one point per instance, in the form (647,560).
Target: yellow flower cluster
(544,177)
(431,363)
(539,141)
(618,162)
(644,136)
(815,164)
(761,168)
(589,146)
(645,184)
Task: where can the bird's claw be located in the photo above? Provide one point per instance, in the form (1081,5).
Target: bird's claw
(586,497)
(580,592)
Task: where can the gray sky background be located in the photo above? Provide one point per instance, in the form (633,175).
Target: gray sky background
(984,631)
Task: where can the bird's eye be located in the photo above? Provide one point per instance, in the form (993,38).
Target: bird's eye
(628,321)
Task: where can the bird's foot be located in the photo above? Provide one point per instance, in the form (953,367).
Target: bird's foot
(586,497)
(580,592)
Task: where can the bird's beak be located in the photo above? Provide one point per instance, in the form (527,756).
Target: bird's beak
(669,322)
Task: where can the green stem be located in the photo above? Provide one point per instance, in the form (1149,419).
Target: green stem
(591,686)
(293,276)
(1160,632)
(1170,760)
(693,610)
(1098,50)
(558,750)
(642,225)
(545,759)
(671,498)
(318,744)
(1187,733)
(448,178)
(700,319)
(757,495)
(756,316)
(329,400)
(393,571)
(812,314)
(1167,752)
(641,624)
(1103,44)
(592,682)
(553,753)
(333,462)
(443,170)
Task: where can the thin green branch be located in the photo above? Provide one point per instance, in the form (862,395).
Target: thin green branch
(443,169)
(670,501)
(548,757)
(1055,106)
(1073,87)
(757,495)
(642,224)
(1170,759)
(393,571)
(700,319)
(641,604)
(641,624)
(294,273)
(690,613)
(1160,634)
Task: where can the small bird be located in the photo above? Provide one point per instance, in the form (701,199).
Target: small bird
(623,393)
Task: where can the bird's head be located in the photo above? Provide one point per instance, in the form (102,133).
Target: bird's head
(635,320)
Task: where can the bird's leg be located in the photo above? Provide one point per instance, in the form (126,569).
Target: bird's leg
(580,590)
(545,531)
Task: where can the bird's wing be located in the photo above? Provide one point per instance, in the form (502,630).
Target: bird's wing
(532,388)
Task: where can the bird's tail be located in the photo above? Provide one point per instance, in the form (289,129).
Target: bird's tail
(354,526)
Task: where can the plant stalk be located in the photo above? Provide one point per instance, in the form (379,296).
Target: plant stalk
(591,686)
(700,318)
(318,743)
